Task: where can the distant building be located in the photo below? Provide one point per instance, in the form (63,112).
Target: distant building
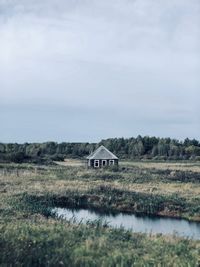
(102,157)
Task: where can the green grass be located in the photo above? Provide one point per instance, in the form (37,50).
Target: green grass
(49,243)
(30,235)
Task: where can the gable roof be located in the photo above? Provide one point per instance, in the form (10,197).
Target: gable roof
(102,153)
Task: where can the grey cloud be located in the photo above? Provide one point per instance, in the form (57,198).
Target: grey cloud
(136,59)
(44,122)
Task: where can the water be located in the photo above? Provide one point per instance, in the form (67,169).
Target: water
(143,224)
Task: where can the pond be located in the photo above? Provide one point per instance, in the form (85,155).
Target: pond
(143,224)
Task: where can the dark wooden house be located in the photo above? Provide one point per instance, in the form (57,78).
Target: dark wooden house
(102,157)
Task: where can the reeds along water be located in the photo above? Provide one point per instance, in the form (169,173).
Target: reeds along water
(28,226)
(142,223)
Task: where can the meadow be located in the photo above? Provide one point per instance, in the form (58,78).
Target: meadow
(31,235)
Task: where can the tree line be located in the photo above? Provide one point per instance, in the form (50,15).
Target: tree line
(125,148)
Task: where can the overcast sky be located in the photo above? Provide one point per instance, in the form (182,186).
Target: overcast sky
(83,70)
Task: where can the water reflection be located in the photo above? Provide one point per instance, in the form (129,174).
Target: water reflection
(135,223)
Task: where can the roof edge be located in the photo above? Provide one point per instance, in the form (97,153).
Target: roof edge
(92,155)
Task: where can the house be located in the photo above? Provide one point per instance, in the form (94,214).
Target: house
(102,157)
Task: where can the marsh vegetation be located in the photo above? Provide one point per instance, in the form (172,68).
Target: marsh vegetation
(28,226)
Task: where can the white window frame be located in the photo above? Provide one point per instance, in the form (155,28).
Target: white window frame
(111,162)
(104,162)
(96,163)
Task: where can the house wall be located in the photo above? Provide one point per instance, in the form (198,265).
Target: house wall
(102,163)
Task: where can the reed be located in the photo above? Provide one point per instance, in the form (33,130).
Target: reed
(31,235)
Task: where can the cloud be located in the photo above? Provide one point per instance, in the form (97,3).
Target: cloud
(125,57)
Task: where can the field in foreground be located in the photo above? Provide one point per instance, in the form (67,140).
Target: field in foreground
(30,236)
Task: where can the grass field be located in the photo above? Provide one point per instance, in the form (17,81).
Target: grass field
(27,227)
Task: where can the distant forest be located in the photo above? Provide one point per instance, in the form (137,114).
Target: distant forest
(131,148)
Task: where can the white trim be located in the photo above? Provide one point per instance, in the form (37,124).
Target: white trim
(96,163)
(104,162)
(111,162)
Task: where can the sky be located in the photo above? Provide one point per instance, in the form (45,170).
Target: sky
(86,70)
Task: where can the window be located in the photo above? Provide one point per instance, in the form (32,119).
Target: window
(96,163)
(111,162)
(104,162)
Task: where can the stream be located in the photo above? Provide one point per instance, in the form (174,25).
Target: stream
(143,224)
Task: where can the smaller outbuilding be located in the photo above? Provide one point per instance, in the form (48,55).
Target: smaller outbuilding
(102,157)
